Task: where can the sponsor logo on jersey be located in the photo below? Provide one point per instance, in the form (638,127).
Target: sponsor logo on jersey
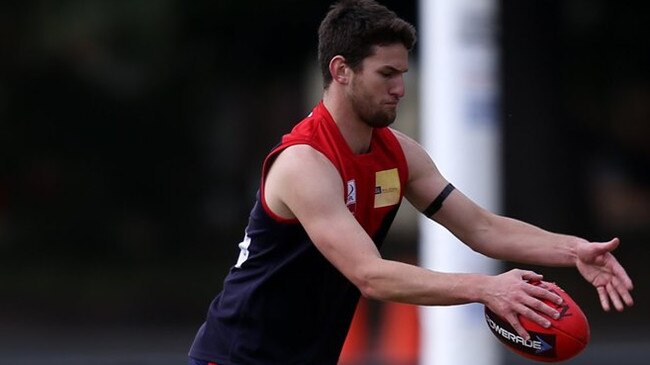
(351,195)
(387,188)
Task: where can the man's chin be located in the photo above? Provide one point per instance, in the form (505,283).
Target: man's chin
(385,121)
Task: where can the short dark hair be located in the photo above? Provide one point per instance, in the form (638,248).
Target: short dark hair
(352,28)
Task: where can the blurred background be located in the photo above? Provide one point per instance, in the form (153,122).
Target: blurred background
(132,132)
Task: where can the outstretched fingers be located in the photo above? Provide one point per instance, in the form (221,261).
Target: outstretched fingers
(623,284)
(604,298)
(614,295)
(598,266)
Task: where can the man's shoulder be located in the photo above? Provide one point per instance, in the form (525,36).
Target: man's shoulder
(406,142)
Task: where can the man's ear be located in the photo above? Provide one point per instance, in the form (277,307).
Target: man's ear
(339,70)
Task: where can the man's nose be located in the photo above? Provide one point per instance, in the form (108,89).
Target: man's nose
(397,86)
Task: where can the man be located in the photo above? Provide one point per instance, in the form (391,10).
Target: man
(328,194)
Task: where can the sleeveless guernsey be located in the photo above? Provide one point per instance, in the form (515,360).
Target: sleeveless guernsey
(283,302)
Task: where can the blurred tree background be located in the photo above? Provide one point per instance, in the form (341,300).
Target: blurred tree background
(131,138)
(131,135)
(576,119)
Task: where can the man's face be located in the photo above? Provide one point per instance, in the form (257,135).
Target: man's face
(377,87)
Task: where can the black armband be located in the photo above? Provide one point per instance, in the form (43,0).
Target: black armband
(436,204)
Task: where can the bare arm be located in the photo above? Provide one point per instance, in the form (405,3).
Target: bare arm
(510,239)
(485,232)
(303,184)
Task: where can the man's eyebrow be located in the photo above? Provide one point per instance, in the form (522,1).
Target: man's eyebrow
(394,69)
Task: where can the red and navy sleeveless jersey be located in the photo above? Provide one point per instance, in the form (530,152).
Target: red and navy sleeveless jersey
(283,302)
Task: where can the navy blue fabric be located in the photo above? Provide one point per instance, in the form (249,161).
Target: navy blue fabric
(286,304)
(193,361)
(270,307)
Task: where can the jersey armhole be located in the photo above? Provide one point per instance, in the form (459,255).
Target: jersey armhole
(268,161)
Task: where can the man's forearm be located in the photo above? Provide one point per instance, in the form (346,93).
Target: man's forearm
(513,240)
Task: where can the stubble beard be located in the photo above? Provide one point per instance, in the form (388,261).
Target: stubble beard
(373,116)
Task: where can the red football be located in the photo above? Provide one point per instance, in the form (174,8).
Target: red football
(565,338)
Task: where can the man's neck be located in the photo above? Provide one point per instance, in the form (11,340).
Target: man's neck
(355,132)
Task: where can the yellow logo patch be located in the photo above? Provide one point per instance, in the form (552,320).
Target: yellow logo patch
(387,188)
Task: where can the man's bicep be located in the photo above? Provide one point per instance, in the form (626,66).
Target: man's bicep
(314,194)
(299,182)
(425,181)
(305,181)
(464,218)
(430,193)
